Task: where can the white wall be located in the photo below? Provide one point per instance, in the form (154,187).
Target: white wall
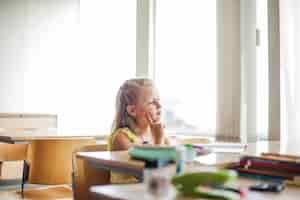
(12,55)
(35,41)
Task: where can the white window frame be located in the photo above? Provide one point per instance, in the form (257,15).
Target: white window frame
(145,37)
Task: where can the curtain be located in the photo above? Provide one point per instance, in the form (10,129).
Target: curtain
(245,111)
(228,70)
(290,71)
(236,74)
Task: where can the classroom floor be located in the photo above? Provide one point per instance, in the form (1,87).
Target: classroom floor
(36,192)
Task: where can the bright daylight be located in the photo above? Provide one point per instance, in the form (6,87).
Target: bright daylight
(149,99)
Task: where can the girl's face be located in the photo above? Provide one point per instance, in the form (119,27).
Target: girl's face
(148,103)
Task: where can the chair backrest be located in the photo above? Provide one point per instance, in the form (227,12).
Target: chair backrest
(13,152)
(85,175)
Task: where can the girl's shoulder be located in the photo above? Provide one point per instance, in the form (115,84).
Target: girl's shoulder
(125,131)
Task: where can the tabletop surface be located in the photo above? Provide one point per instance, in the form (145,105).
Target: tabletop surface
(217,158)
(113,158)
(26,115)
(46,134)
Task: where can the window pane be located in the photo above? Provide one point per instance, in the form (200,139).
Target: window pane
(262,69)
(50,51)
(107,58)
(185,68)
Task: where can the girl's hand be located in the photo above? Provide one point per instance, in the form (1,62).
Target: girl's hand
(157,129)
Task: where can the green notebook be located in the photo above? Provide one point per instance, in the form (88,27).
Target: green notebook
(152,153)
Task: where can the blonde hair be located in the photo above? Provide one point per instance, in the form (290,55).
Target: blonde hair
(128,95)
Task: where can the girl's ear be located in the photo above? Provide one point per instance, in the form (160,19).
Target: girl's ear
(131,110)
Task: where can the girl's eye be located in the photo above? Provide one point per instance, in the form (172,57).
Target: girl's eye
(151,102)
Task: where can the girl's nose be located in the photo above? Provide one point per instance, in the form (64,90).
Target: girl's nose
(158,105)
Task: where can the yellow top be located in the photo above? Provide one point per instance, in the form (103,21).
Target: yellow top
(118,177)
(126,131)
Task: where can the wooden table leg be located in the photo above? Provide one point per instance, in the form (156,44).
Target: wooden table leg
(51,160)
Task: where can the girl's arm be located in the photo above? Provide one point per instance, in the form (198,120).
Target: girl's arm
(121,142)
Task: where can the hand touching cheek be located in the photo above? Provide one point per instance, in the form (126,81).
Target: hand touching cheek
(154,114)
(157,129)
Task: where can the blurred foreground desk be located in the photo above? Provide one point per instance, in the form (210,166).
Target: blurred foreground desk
(50,152)
(138,191)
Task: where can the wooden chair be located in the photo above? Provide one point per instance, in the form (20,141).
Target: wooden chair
(16,152)
(84,175)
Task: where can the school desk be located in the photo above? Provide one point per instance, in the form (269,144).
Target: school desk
(120,161)
(50,152)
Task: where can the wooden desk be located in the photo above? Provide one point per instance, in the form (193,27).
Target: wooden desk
(120,161)
(138,191)
(50,152)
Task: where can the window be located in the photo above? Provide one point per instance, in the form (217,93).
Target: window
(107,58)
(290,73)
(77,57)
(185,64)
(262,69)
(50,54)
(75,68)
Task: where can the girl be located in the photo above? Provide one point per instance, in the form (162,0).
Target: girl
(137,120)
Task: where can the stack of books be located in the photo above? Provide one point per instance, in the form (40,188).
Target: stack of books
(271,165)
